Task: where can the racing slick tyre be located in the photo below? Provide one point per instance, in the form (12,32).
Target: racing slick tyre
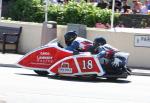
(42,73)
(112,78)
(87,77)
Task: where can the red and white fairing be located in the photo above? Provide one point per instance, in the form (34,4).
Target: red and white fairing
(57,60)
(43,58)
(83,64)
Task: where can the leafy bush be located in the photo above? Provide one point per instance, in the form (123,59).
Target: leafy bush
(26,10)
(80,13)
(72,12)
(55,13)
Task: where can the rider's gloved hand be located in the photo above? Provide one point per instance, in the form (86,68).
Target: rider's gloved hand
(116,62)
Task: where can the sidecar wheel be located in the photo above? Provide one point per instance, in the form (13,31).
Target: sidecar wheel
(112,78)
(89,77)
(42,73)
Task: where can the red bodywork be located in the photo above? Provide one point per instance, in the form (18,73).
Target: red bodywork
(77,65)
(57,60)
(43,58)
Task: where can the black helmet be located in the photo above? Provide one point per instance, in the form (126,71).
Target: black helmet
(99,41)
(70,37)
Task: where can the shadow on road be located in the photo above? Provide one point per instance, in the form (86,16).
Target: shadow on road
(96,80)
(76,79)
(35,75)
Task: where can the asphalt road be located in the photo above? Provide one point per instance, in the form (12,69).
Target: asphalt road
(19,85)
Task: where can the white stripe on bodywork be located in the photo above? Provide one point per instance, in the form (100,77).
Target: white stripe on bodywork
(102,72)
(66,58)
(77,65)
(35,50)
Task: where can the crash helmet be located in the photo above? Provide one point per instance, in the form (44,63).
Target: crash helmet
(99,41)
(70,37)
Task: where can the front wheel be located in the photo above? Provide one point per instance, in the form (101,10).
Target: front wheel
(42,73)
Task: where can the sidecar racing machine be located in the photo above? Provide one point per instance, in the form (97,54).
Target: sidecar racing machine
(54,60)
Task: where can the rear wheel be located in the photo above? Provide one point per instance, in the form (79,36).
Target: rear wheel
(42,73)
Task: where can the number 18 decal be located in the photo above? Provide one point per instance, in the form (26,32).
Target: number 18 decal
(87,64)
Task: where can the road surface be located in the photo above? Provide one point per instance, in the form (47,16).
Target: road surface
(19,85)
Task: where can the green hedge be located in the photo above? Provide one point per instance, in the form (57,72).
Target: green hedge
(80,13)
(73,12)
(26,10)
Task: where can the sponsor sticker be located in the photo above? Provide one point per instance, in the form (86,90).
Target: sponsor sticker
(44,57)
(65,68)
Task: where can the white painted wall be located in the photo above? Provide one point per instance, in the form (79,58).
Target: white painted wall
(30,37)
